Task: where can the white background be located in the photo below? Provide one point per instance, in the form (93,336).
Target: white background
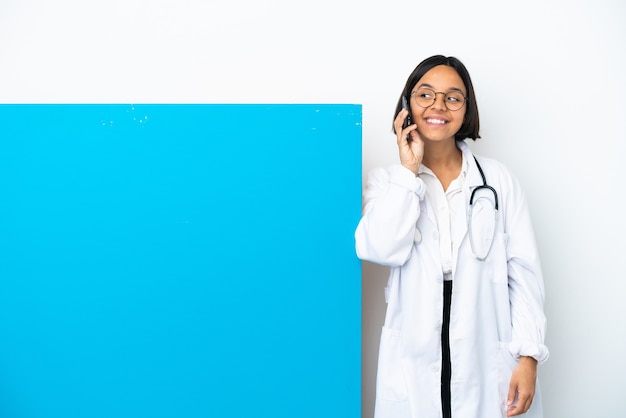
(551,93)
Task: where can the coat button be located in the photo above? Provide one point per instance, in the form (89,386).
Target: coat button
(418,235)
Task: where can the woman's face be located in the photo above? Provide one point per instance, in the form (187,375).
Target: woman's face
(436,122)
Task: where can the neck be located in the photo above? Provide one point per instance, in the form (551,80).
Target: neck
(445,160)
(442,155)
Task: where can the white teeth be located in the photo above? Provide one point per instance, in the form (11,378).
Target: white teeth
(438,121)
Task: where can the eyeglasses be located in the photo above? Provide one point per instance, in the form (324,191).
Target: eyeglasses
(425,97)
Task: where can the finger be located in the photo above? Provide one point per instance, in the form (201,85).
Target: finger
(521,407)
(524,401)
(512,391)
(408,138)
(415,135)
(408,133)
(513,411)
(399,121)
(516,410)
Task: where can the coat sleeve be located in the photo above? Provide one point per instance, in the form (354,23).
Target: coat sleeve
(525,279)
(391,207)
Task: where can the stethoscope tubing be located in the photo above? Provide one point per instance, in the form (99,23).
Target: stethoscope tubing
(484,186)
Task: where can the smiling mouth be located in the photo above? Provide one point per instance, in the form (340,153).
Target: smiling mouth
(436,121)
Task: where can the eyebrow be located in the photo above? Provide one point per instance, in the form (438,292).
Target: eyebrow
(431,87)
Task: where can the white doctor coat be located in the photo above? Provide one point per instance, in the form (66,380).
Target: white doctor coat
(497,304)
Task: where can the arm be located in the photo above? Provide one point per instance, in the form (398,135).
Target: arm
(391,208)
(526,294)
(526,288)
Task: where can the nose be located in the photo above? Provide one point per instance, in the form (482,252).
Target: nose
(440,101)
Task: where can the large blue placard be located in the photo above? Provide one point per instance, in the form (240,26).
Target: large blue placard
(179,261)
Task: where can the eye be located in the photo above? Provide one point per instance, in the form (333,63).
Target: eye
(425,94)
(455,97)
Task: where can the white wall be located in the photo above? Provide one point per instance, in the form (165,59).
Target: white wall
(548,76)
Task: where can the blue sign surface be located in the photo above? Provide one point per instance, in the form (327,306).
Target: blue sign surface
(179,261)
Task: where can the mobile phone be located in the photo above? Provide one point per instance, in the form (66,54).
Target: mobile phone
(405,105)
(408,121)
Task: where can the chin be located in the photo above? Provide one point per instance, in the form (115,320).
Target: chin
(438,138)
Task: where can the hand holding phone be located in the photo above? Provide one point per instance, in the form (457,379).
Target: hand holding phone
(411,151)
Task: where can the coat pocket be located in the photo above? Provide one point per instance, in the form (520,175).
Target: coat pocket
(497,259)
(390,379)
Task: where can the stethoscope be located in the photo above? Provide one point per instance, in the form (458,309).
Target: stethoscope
(470,211)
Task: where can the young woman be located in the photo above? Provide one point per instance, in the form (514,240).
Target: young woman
(464,329)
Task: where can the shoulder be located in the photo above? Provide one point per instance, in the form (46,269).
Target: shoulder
(497,173)
(499,176)
(389,171)
(493,165)
(395,175)
(487,164)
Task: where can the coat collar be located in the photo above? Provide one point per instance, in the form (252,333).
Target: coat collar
(473,175)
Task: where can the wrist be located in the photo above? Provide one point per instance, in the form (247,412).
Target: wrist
(415,169)
(531,361)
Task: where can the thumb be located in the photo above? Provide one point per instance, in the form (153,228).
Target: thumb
(512,391)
